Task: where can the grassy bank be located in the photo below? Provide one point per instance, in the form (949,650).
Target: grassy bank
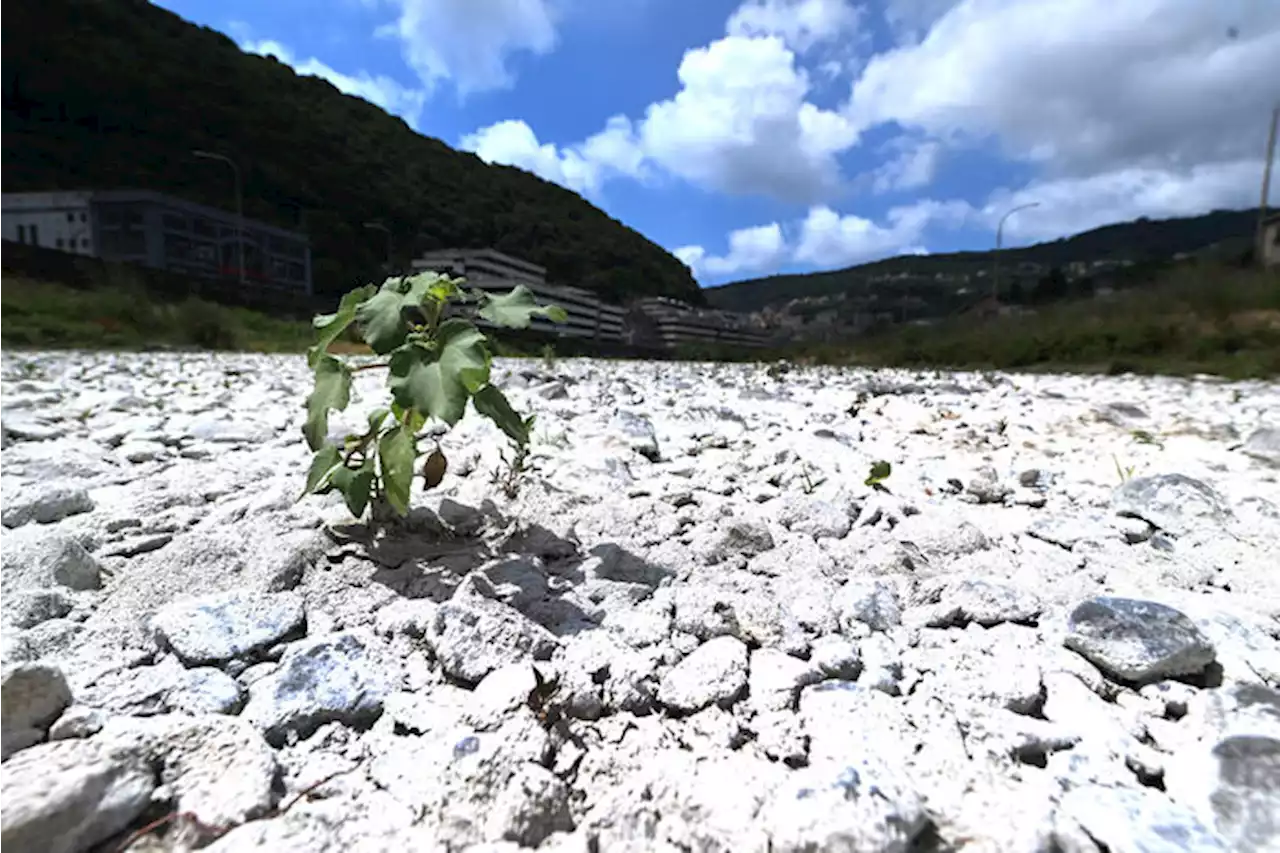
(125,316)
(1197,319)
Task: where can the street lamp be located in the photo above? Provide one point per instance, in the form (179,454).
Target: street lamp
(378,226)
(995,278)
(209,155)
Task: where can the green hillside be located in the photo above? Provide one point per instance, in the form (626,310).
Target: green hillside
(116,93)
(1142,241)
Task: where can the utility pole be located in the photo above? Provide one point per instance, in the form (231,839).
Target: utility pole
(1260,247)
(378,226)
(209,155)
(995,277)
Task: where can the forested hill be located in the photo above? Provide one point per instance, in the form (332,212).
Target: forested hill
(1139,241)
(115,94)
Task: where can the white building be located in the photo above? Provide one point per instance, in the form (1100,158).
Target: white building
(53,220)
(160,231)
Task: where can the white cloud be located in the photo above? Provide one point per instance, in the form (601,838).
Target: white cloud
(751,250)
(828,239)
(915,166)
(583,168)
(741,124)
(1084,86)
(910,20)
(381,90)
(825,238)
(469,42)
(801,24)
(1070,205)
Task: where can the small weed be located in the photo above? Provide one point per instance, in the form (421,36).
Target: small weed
(880,472)
(436,366)
(1143,437)
(1124,472)
(549,356)
(810,484)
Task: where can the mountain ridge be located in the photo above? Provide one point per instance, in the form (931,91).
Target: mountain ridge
(1136,241)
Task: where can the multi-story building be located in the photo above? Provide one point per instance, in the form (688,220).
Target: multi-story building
(160,231)
(670,323)
(492,271)
(656,323)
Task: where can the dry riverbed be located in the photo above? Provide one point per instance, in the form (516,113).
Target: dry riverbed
(1055,627)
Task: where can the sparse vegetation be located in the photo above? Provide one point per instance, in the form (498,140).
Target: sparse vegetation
(125,316)
(1199,319)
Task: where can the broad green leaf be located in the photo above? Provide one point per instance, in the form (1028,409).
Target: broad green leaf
(332,391)
(443,288)
(382,317)
(414,420)
(437,382)
(381,321)
(396,452)
(491,403)
(330,326)
(376,417)
(322,464)
(515,309)
(355,486)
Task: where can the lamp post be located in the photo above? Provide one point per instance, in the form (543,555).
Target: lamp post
(995,277)
(1260,245)
(209,155)
(378,226)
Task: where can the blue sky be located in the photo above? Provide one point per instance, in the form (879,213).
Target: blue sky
(752,137)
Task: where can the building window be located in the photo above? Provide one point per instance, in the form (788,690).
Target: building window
(58,243)
(71,217)
(35,235)
(22,233)
(84,242)
(174,222)
(84,217)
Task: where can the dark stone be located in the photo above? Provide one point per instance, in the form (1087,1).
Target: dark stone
(1174,503)
(1138,641)
(1246,802)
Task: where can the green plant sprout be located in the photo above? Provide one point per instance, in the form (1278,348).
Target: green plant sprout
(549,356)
(435,365)
(1141,436)
(1125,473)
(880,472)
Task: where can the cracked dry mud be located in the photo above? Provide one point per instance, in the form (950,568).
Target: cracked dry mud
(1055,629)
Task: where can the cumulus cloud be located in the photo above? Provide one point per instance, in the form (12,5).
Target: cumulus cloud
(582,168)
(751,250)
(1071,205)
(1083,86)
(741,124)
(826,238)
(914,166)
(801,24)
(469,42)
(381,90)
(1147,107)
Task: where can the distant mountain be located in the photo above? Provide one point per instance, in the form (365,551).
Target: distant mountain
(1141,241)
(108,94)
